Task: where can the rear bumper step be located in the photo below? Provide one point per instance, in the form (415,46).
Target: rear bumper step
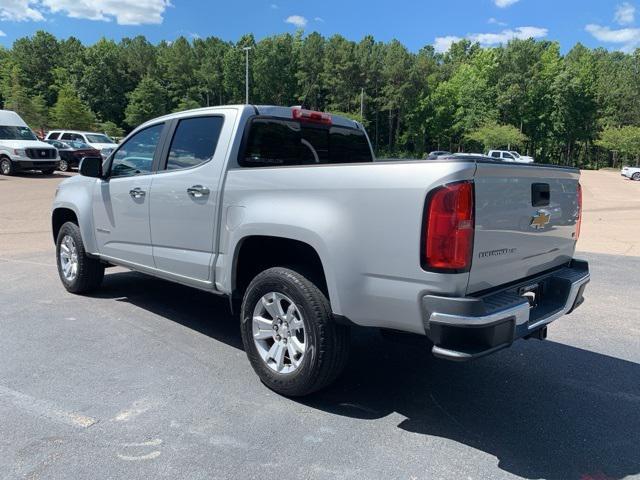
(471,327)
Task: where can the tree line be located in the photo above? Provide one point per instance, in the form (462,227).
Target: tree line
(581,108)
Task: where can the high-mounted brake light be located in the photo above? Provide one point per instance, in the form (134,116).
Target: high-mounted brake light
(579,220)
(449,228)
(311,116)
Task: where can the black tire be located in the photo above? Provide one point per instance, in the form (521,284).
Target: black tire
(90,271)
(63,165)
(48,171)
(6,166)
(327,343)
(636,177)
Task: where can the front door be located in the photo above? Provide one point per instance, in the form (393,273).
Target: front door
(184,195)
(121,200)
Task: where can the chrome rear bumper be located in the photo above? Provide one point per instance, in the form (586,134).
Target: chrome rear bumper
(470,327)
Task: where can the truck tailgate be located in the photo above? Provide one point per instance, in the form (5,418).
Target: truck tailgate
(526,220)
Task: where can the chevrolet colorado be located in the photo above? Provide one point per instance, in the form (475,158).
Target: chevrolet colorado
(284,211)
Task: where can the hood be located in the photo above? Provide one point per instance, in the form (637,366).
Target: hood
(24,144)
(100,146)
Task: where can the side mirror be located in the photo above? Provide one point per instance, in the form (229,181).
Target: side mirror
(91,167)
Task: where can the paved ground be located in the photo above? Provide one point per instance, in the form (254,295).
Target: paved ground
(148,380)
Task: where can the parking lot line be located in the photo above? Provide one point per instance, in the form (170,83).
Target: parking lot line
(45,409)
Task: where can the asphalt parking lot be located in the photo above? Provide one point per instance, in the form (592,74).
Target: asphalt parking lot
(146,379)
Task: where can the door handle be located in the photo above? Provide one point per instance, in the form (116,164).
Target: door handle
(137,193)
(198,191)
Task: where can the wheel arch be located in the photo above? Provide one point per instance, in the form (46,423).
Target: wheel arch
(250,258)
(59,217)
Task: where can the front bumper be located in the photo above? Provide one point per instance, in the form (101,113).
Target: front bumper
(471,327)
(35,165)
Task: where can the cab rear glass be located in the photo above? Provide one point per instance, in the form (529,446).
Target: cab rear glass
(272,142)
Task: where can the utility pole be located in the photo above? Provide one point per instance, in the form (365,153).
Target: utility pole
(246,74)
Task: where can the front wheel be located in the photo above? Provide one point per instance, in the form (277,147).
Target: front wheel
(289,334)
(6,167)
(79,273)
(636,176)
(63,165)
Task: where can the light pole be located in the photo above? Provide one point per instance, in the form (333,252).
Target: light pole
(246,74)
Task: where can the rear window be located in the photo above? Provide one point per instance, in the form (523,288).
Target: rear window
(279,142)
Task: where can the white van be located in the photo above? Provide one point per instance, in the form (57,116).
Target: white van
(20,149)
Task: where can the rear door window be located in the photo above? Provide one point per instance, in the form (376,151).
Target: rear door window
(72,136)
(194,142)
(278,142)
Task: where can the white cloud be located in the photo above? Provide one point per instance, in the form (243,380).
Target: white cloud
(495,21)
(629,38)
(442,44)
(297,20)
(488,39)
(274,6)
(504,3)
(319,19)
(625,14)
(19,11)
(125,12)
(2,34)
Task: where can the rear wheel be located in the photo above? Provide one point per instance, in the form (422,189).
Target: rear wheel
(289,334)
(6,167)
(79,273)
(636,176)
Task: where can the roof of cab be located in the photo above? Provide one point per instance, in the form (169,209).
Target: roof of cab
(11,119)
(268,110)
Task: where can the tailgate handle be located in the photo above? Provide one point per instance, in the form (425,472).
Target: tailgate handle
(540,194)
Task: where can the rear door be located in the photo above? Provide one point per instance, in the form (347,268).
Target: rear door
(526,219)
(185,195)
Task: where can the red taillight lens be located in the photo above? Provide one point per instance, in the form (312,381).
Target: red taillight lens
(449,228)
(579,220)
(311,116)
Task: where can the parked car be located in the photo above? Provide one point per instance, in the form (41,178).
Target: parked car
(99,141)
(20,149)
(632,173)
(438,154)
(509,156)
(71,152)
(283,211)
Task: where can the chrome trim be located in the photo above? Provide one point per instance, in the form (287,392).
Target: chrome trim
(520,312)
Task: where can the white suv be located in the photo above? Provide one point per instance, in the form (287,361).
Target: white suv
(99,141)
(510,156)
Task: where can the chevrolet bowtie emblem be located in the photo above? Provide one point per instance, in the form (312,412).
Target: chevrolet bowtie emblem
(540,219)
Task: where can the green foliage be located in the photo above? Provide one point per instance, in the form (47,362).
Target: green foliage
(493,136)
(111,129)
(148,100)
(71,112)
(624,141)
(524,93)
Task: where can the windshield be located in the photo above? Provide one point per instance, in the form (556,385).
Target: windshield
(77,145)
(16,133)
(515,154)
(98,138)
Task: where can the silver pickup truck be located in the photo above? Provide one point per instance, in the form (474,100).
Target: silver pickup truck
(285,212)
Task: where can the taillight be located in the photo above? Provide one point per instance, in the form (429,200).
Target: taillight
(311,116)
(579,220)
(449,228)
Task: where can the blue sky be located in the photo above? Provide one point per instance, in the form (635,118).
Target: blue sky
(609,23)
